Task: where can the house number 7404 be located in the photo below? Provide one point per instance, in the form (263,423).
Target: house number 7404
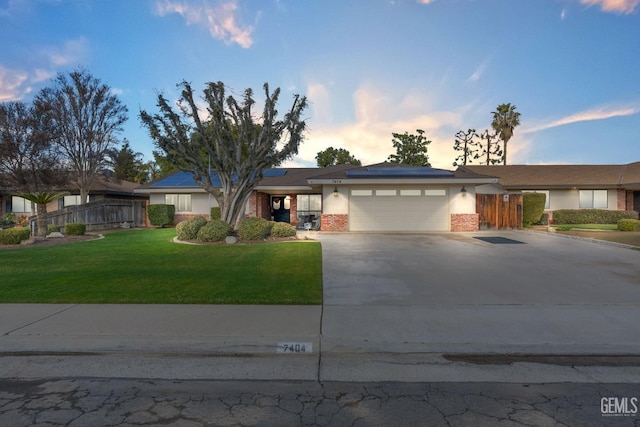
(295,347)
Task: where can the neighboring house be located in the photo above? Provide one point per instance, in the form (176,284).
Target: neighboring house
(613,187)
(382,197)
(103,189)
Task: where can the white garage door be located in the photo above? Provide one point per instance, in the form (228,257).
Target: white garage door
(399,209)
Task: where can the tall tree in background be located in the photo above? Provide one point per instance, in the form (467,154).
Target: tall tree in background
(126,164)
(336,156)
(491,150)
(163,164)
(505,119)
(410,149)
(84,117)
(229,141)
(30,163)
(465,142)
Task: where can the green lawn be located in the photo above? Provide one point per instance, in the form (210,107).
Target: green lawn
(145,267)
(566,227)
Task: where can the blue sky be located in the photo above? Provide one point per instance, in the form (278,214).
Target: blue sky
(368,67)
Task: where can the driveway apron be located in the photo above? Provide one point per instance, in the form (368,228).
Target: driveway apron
(454,293)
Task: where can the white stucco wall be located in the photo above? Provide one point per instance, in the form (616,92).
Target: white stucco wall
(462,203)
(335,204)
(570,199)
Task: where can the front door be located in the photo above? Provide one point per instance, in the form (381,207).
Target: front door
(280,206)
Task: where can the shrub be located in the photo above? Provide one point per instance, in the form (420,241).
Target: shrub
(75,229)
(188,230)
(532,207)
(9,220)
(161,215)
(253,228)
(629,225)
(282,229)
(53,228)
(13,236)
(214,231)
(591,216)
(215,213)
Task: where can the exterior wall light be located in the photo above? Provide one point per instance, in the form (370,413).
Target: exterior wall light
(335,191)
(464,190)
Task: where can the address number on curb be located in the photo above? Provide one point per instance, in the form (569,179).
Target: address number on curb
(295,347)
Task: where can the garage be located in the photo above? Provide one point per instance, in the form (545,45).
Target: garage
(402,209)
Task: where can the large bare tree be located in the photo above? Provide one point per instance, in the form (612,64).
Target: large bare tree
(226,138)
(84,117)
(29,161)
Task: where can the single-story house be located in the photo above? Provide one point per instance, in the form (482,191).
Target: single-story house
(380,197)
(613,187)
(104,188)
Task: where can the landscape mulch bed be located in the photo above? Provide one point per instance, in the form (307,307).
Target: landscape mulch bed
(53,241)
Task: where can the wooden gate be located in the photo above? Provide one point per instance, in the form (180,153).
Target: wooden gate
(499,211)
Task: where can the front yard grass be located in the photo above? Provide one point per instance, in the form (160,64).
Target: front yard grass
(145,267)
(567,227)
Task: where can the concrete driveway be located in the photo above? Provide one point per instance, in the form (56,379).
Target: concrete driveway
(454,293)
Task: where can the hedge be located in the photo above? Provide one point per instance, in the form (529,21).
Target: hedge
(254,228)
(282,229)
(629,225)
(591,216)
(13,236)
(215,213)
(75,229)
(161,215)
(53,228)
(188,229)
(532,207)
(214,231)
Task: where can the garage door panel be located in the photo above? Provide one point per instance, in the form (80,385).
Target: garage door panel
(398,213)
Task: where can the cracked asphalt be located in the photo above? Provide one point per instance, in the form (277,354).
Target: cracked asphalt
(126,402)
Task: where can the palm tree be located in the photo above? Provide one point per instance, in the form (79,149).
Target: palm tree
(41,199)
(505,119)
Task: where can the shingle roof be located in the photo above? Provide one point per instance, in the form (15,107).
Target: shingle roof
(569,176)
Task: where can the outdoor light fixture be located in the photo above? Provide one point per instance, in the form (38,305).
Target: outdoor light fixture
(335,191)
(464,190)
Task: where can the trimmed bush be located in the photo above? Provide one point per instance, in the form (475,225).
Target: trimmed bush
(13,236)
(629,225)
(591,216)
(532,207)
(75,229)
(214,231)
(282,229)
(215,213)
(161,215)
(53,228)
(254,228)
(188,230)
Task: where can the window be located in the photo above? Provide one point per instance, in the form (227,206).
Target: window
(360,193)
(309,207)
(435,192)
(593,199)
(20,205)
(182,202)
(411,192)
(386,192)
(547,200)
(71,200)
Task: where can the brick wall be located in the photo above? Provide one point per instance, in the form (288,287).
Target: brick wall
(334,222)
(622,200)
(629,206)
(464,222)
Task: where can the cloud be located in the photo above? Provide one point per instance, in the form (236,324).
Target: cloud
(12,84)
(563,14)
(220,18)
(479,72)
(600,113)
(618,6)
(377,115)
(70,53)
(425,1)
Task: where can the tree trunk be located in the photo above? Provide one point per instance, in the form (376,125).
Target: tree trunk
(41,220)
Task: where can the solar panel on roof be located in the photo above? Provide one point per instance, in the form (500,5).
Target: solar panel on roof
(184,179)
(407,171)
(274,172)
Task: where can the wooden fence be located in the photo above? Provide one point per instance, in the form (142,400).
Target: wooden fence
(499,211)
(102,214)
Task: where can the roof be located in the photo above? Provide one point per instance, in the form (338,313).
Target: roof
(103,185)
(302,178)
(562,176)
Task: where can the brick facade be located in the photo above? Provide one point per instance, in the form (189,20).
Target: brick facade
(622,200)
(465,222)
(629,204)
(334,222)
